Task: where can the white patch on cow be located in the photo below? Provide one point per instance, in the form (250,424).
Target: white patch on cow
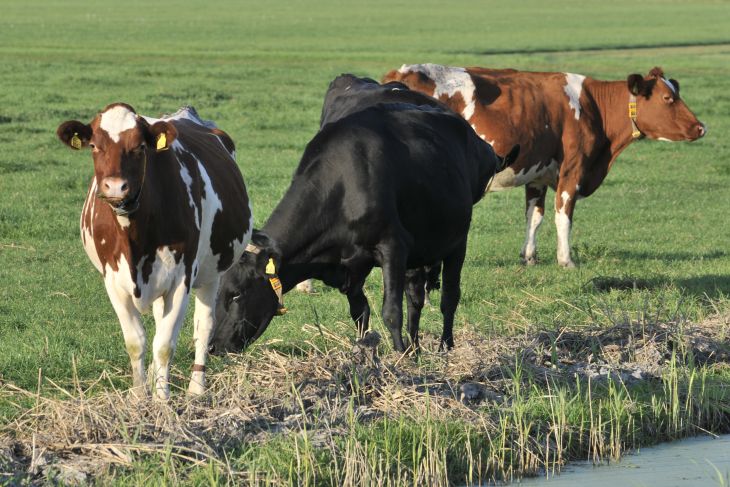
(573,88)
(670,86)
(562,224)
(87,233)
(565,196)
(211,205)
(188,180)
(663,139)
(116,120)
(544,174)
(449,81)
(534,220)
(123,221)
(103,241)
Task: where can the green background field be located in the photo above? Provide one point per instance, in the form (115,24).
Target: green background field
(260,70)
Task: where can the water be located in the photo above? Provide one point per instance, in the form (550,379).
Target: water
(701,461)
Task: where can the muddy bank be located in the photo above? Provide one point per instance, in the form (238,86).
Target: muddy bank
(325,387)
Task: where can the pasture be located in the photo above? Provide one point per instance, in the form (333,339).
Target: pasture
(651,244)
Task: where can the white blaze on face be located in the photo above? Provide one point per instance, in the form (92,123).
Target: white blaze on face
(116,120)
(449,81)
(573,88)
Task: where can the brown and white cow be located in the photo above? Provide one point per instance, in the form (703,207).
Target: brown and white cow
(571,128)
(166,211)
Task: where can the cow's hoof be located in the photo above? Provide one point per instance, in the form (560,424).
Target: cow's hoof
(567,265)
(139,393)
(530,261)
(306,287)
(196,389)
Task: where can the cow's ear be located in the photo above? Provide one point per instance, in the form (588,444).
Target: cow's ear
(636,84)
(268,256)
(164,134)
(74,134)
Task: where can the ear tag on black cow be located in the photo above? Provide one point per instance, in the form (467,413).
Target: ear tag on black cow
(270,267)
(76,141)
(161,142)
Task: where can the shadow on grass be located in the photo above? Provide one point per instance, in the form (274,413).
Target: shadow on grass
(713,286)
(669,257)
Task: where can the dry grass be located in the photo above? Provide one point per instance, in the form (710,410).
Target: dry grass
(320,395)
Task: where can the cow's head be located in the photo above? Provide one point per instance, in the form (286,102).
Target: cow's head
(247,301)
(121,143)
(661,114)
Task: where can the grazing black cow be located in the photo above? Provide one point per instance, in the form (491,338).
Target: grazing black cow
(392,186)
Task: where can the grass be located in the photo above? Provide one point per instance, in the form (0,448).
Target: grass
(260,71)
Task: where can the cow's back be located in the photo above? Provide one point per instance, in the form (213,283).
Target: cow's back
(414,167)
(216,193)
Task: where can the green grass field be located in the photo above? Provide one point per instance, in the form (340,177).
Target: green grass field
(260,70)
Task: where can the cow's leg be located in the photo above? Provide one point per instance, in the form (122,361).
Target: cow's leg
(534,212)
(359,308)
(203,319)
(451,293)
(167,330)
(394,257)
(134,336)
(564,205)
(415,299)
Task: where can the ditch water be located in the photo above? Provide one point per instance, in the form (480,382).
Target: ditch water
(702,462)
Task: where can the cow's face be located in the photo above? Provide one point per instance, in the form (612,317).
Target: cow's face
(121,143)
(246,300)
(661,113)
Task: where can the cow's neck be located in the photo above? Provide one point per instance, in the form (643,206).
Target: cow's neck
(305,236)
(612,101)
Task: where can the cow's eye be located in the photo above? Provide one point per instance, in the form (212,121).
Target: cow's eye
(668,99)
(235,298)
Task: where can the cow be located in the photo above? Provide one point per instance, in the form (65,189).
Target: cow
(348,94)
(391,185)
(571,128)
(166,212)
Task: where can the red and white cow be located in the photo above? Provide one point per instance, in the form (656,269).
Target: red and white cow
(166,211)
(571,128)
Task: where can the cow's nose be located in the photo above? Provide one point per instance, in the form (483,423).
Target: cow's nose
(702,129)
(114,188)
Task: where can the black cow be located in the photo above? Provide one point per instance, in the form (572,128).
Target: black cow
(391,185)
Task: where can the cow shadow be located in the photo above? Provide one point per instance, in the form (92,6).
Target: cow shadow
(712,286)
(669,257)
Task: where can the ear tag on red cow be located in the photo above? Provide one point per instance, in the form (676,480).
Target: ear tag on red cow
(161,142)
(270,267)
(76,141)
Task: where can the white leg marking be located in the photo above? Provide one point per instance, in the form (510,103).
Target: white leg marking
(167,331)
(132,329)
(562,224)
(203,319)
(534,219)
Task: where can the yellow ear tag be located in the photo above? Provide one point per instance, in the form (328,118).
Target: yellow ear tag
(76,141)
(161,142)
(270,267)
